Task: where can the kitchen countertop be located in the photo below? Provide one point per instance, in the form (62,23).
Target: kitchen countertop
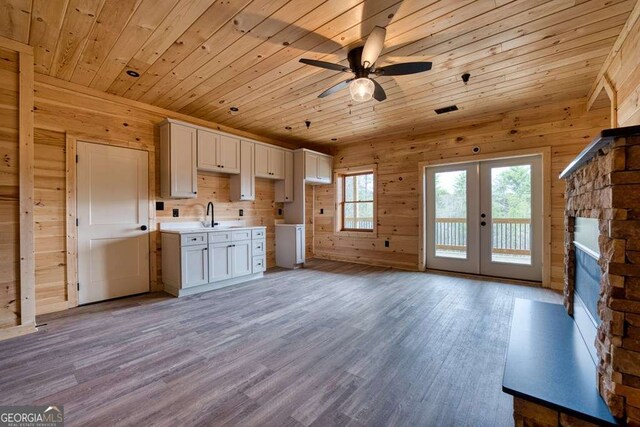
(196,227)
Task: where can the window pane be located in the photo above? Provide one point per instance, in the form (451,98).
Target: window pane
(511,214)
(358,216)
(364,184)
(349,188)
(451,214)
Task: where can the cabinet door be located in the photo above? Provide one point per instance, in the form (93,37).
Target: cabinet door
(276,163)
(299,245)
(208,150)
(229,154)
(220,267)
(262,161)
(183,161)
(195,266)
(284,188)
(241,258)
(242,185)
(324,168)
(310,166)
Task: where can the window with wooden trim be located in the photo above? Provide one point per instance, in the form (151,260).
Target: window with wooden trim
(358,202)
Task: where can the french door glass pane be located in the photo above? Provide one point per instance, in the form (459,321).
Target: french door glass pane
(511,214)
(451,214)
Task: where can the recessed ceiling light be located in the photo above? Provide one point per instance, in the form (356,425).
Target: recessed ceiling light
(133,73)
(234,109)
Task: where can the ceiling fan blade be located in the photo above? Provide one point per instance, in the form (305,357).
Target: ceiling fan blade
(335,88)
(402,69)
(373,46)
(323,64)
(378,93)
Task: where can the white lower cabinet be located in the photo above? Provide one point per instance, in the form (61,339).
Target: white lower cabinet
(241,258)
(190,265)
(220,267)
(290,245)
(195,262)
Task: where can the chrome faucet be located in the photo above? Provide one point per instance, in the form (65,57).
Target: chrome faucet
(213,214)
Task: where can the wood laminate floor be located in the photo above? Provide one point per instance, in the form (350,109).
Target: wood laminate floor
(332,344)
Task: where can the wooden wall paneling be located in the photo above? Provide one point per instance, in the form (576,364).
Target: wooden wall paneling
(49,221)
(27,250)
(15,18)
(109,119)
(9,189)
(562,128)
(71,230)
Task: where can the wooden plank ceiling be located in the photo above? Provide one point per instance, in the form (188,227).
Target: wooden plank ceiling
(202,57)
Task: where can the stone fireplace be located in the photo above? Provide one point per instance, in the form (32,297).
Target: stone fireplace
(603,184)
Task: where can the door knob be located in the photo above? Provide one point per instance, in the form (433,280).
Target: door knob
(143,228)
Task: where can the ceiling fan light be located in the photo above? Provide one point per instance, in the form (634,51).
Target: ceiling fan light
(361,89)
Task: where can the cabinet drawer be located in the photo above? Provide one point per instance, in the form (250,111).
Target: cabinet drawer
(259,264)
(258,234)
(241,235)
(258,247)
(220,237)
(193,239)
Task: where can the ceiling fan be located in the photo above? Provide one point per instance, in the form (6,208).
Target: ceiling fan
(362,62)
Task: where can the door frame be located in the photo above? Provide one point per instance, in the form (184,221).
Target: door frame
(544,152)
(72,213)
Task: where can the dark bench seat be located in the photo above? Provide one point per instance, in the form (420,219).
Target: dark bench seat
(548,363)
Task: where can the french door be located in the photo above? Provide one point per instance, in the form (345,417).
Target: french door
(486,218)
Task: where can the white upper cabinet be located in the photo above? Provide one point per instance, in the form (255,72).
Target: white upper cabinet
(178,175)
(284,188)
(243,186)
(276,163)
(269,162)
(317,167)
(218,153)
(262,161)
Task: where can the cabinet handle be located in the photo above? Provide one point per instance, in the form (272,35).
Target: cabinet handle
(193,239)
(205,249)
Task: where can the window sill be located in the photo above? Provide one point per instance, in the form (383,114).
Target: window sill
(363,234)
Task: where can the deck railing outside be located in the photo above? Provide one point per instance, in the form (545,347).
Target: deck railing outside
(511,236)
(358,223)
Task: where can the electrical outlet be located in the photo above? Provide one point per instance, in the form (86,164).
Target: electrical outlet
(176,212)
(279,212)
(241,212)
(159,206)
(321,211)
(386,243)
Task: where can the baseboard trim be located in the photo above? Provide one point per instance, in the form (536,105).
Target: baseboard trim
(16,331)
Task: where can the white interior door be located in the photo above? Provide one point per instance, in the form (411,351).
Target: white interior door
(113,216)
(486,218)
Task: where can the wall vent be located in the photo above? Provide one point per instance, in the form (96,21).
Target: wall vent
(446,109)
